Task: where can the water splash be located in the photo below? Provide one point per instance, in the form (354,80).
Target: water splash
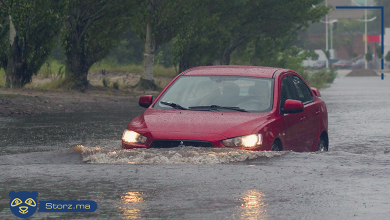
(177,155)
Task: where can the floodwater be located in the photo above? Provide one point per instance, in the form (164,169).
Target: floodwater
(42,153)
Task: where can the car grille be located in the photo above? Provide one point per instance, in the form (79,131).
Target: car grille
(176,143)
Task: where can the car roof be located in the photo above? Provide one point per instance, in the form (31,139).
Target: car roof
(231,70)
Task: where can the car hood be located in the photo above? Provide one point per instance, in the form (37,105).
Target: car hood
(227,124)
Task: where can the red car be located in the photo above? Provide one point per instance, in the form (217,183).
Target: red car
(245,107)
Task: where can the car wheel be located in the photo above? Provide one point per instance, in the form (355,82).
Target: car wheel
(276,146)
(322,146)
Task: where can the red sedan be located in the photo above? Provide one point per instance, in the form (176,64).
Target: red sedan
(245,107)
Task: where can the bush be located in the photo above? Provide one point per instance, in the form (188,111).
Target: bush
(115,85)
(320,78)
(106,82)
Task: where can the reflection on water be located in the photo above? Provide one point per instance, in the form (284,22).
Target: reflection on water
(131,204)
(253,205)
(54,131)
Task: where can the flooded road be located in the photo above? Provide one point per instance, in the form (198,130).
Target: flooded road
(40,153)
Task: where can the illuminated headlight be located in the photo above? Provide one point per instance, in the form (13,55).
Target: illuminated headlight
(252,140)
(133,137)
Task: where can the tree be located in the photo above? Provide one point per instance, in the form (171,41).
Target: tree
(157,23)
(92,28)
(32,27)
(379,52)
(387,57)
(237,23)
(369,56)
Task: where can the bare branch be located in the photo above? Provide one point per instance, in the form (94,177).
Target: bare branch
(96,16)
(3,4)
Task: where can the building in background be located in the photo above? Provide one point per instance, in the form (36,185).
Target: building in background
(348,13)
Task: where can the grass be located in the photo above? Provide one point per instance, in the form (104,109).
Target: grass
(159,70)
(112,65)
(2,77)
(56,84)
(51,69)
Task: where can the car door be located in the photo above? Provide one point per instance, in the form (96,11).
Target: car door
(294,138)
(310,121)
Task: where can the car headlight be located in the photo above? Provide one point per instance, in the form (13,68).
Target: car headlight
(251,140)
(133,137)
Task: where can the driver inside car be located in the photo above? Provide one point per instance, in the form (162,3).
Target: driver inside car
(260,92)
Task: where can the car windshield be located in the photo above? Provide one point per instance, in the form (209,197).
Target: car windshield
(218,93)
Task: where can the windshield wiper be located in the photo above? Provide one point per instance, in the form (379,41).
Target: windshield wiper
(174,105)
(218,107)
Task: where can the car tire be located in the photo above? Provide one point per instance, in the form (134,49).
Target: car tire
(276,146)
(322,145)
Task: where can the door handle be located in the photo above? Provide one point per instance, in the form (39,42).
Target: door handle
(303,118)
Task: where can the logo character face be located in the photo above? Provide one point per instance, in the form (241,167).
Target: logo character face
(23,204)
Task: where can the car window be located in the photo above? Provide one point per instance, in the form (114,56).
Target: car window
(304,94)
(248,93)
(286,91)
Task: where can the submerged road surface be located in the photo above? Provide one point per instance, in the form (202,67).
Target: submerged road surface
(351,181)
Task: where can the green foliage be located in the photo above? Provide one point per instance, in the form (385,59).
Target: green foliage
(292,58)
(320,78)
(379,52)
(91,29)
(37,24)
(106,82)
(165,18)
(216,34)
(2,77)
(115,85)
(368,56)
(387,57)
(129,50)
(51,68)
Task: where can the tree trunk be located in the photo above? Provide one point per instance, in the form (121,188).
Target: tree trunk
(76,67)
(225,59)
(14,77)
(147,81)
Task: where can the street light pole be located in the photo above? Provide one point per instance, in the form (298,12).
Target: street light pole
(326,29)
(365,31)
(331,36)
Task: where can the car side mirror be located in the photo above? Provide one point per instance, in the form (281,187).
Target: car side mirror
(293,106)
(145,100)
(316,91)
